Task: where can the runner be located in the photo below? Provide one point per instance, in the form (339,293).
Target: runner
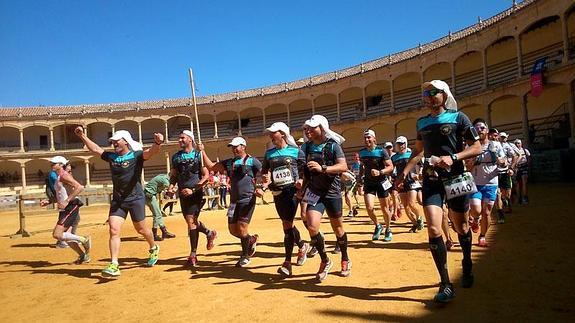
(69,209)
(126,164)
(285,162)
(351,185)
(376,167)
(408,192)
(506,177)
(394,203)
(325,162)
(523,161)
(190,176)
(302,205)
(154,187)
(440,138)
(485,171)
(242,170)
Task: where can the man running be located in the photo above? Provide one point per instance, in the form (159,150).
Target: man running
(154,187)
(376,167)
(408,192)
(325,162)
(506,176)
(440,138)
(285,162)
(190,176)
(485,171)
(126,164)
(352,185)
(242,170)
(523,161)
(69,209)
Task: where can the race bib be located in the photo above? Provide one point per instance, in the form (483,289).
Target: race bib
(282,176)
(310,198)
(386,184)
(231,210)
(459,186)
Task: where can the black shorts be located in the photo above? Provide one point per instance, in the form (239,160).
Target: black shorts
(69,215)
(192,204)
(522,170)
(505,182)
(286,204)
(375,189)
(241,211)
(137,209)
(409,186)
(433,193)
(332,206)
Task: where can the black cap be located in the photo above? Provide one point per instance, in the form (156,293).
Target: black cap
(493,130)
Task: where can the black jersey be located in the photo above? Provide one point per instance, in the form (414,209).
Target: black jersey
(126,174)
(285,166)
(373,159)
(188,169)
(326,153)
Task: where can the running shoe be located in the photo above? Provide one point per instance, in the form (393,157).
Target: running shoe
(501,217)
(285,269)
(302,254)
(337,249)
(112,270)
(85,258)
(482,242)
(192,261)
(61,244)
(355,210)
(253,245)
(349,214)
(474,225)
(413,228)
(419,223)
(154,253)
(324,268)
(346,268)
(388,235)
(445,294)
(449,245)
(377,232)
(87,243)
(244,261)
(211,237)
(312,252)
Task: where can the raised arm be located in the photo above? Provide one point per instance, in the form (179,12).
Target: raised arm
(158,140)
(92,146)
(216,167)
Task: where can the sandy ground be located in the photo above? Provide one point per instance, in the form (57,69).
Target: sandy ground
(524,275)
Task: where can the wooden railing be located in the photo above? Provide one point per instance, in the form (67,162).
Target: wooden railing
(502,72)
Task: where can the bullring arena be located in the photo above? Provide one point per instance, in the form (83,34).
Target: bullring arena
(524,275)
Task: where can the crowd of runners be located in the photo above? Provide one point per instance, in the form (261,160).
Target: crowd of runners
(453,175)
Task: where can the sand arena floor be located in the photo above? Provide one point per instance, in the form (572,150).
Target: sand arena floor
(525,274)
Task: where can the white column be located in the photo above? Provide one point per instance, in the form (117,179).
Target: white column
(312,106)
(392,97)
(239,125)
(338,108)
(21,140)
(113,129)
(484,62)
(519,56)
(452,76)
(215,128)
(23,171)
(168,168)
(525,121)
(288,121)
(52,139)
(166,132)
(140,132)
(264,120)
(364,100)
(87,167)
(85,132)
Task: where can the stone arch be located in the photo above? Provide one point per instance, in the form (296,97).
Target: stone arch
(351,104)
(252,121)
(299,112)
(378,97)
(468,69)
(100,132)
(9,138)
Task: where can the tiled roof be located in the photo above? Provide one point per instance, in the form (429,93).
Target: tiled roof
(71,110)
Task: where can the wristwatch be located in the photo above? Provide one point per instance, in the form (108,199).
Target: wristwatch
(323,168)
(454,157)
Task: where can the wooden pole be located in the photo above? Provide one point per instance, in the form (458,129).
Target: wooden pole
(192,85)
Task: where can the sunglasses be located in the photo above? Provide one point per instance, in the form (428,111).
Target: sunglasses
(481,128)
(431,92)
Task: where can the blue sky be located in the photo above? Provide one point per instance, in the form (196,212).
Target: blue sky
(85,52)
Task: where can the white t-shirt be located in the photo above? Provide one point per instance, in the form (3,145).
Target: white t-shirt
(523,155)
(486,170)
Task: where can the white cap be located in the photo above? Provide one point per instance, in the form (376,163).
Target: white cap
(319,120)
(59,160)
(450,103)
(237,141)
(503,134)
(401,139)
(517,141)
(189,134)
(369,132)
(280,126)
(388,144)
(123,134)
